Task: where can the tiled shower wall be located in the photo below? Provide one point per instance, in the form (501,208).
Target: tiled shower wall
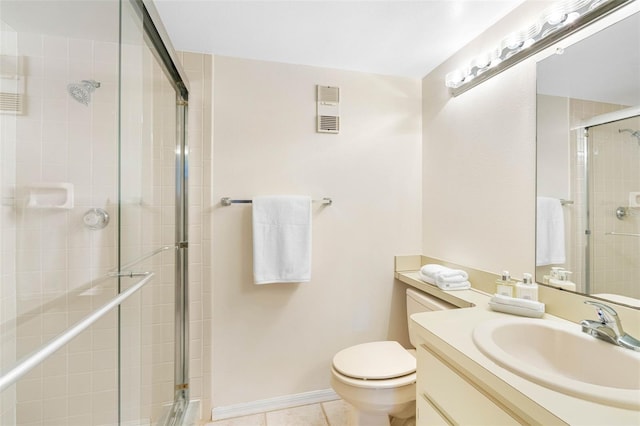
(614,172)
(59,140)
(8,43)
(52,265)
(615,265)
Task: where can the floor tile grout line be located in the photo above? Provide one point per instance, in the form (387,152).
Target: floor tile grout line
(324,413)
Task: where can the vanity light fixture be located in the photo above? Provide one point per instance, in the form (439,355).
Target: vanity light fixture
(555,23)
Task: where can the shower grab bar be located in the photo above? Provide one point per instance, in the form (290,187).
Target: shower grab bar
(48,349)
(624,234)
(564,202)
(226,201)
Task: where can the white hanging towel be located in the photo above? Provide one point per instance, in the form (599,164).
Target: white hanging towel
(549,232)
(281,239)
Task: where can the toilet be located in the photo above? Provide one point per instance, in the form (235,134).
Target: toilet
(378,379)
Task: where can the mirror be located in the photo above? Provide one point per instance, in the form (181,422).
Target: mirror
(588,165)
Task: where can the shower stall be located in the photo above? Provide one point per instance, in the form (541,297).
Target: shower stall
(93,229)
(602,223)
(611,203)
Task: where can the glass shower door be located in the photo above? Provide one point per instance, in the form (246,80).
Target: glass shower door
(614,208)
(60,62)
(90,151)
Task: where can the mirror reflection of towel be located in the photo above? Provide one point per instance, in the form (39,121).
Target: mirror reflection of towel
(549,232)
(281,239)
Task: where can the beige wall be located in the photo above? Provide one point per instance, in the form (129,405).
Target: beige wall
(479,168)
(279,339)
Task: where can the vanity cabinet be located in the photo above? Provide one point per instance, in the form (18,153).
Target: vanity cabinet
(446,396)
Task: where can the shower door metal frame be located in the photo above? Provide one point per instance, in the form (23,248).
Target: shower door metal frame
(161,47)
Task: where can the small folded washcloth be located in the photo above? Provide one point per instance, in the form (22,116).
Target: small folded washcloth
(445,278)
(516,306)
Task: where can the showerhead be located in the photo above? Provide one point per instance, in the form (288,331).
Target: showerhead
(81,92)
(634,133)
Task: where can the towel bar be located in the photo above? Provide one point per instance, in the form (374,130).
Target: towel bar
(226,201)
(624,234)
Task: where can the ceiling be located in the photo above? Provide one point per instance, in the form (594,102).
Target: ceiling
(604,67)
(402,38)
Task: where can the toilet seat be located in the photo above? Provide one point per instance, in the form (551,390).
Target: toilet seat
(397,382)
(375,362)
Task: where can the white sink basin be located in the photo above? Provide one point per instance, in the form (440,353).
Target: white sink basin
(560,357)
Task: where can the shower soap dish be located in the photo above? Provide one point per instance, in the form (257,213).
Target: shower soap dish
(54,195)
(516,306)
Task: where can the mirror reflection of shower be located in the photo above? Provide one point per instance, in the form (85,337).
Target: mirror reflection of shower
(634,133)
(82,91)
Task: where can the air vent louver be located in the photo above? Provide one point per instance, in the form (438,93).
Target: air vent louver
(328,113)
(12,84)
(11,103)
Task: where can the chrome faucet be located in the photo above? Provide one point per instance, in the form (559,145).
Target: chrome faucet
(608,327)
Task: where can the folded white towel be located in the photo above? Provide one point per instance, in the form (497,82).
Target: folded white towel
(549,232)
(428,272)
(465,285)
(452,276)
(445,278)
(281,239)
(458,285)
(432,269)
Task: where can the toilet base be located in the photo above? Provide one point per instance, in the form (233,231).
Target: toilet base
(411,421)
(360,418)
(376,406)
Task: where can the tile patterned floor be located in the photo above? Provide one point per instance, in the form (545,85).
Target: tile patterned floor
(332,413)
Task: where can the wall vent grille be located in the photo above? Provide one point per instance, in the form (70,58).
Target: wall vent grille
(328,111)
(11,103)
(12,84)
(328,123)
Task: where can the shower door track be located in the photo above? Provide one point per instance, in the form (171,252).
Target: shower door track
(609,117)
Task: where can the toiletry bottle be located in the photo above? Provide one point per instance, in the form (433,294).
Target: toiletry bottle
(527,289)
(563,281)
(554,274)
(504,285)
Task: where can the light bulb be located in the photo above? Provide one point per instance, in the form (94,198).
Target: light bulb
(556,18)
(454,79)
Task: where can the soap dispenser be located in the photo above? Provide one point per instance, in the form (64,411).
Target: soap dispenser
(527,289)
(504,285)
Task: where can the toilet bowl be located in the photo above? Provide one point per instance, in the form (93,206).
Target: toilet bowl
(378,379)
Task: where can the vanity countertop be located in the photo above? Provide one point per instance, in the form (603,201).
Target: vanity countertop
(449,333)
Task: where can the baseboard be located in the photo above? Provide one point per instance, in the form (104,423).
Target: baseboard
(271,404)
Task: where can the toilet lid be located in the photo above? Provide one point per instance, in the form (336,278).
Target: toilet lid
(375,360)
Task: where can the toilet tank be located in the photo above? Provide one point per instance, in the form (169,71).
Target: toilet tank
(418,301)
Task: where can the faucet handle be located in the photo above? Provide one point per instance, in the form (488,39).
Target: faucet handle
(607,314)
